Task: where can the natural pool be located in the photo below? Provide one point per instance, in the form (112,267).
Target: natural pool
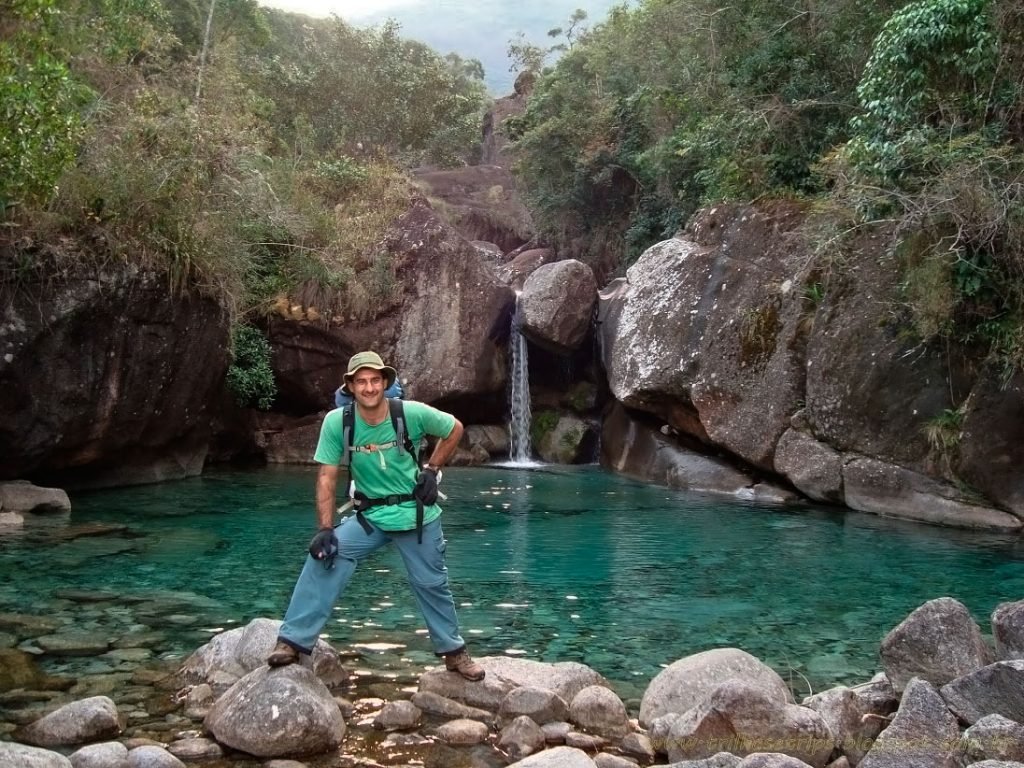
(551,563)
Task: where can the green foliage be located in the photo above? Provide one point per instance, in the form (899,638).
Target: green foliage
(40,126)
(670,106)
(541,425)
(250,376)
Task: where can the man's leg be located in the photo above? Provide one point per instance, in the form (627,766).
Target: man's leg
(428,577)
(319,587)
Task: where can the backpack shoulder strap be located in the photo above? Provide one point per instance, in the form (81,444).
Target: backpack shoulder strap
(348,428)
(397,411)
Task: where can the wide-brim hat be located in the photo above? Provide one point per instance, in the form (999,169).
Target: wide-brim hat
(368,360)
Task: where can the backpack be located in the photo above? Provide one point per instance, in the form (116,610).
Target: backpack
(396,409)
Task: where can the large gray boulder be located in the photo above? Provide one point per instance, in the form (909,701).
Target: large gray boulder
(541,705)
(109,754)
(690,680)
(21,497)
(277,713)
(854,720)
(80,722)
(923,734)
(810,465)
(997,689)
(152,756)
(993,737)
(13,755)
(889,490)
(599,710)
(742,718)
(238,651)
(938,642)
(556,305)
(1008,630)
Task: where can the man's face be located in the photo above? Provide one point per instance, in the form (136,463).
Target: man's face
(368,387)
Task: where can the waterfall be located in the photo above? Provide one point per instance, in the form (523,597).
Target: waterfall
(519,395)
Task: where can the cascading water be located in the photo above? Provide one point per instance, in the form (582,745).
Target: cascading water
(519,394)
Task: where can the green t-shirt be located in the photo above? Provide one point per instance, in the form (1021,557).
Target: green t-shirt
(380,467)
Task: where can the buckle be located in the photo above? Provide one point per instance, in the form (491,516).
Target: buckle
(395,499)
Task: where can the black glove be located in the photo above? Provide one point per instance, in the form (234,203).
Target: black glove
(324,545)
(426,487)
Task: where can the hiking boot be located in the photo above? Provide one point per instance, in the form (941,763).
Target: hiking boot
(282,655)
(460,661)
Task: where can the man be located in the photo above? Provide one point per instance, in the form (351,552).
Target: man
(396,503)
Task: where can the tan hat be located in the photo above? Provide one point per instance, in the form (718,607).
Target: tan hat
(369,360)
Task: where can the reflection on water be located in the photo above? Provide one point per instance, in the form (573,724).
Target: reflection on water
(552,564)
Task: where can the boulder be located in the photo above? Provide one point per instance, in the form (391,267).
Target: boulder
(558,757)
(571,440)
(244,649)
(810,465)
(504,673)
(997,689)
(937,642)
(433,704)
(22,497)
(889,490)
(853,721)
(689,681)
(463,733)
(539,704)
(923,734)
(599,710)
(521,264)
(1008,630)
(14,755)
(277,713)
(719,316)
(993,737)
(398,715)
(742,718)
(520,738)
(771,760)
(556,305)
(152,756)
(80,722)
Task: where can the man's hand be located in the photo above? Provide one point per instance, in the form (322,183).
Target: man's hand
(426,487)
(324,545)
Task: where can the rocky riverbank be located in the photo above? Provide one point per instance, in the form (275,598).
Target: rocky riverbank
(945,697)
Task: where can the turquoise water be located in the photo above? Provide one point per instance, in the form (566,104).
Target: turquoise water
(554,564)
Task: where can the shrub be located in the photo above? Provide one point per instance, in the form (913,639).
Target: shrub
(250,376)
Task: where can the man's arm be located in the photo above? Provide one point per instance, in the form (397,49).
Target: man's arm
(446,447)
(326,499)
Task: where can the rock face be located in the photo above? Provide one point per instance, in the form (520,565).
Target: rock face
(435,329)
(481,202)
(727,335)
(108,379)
